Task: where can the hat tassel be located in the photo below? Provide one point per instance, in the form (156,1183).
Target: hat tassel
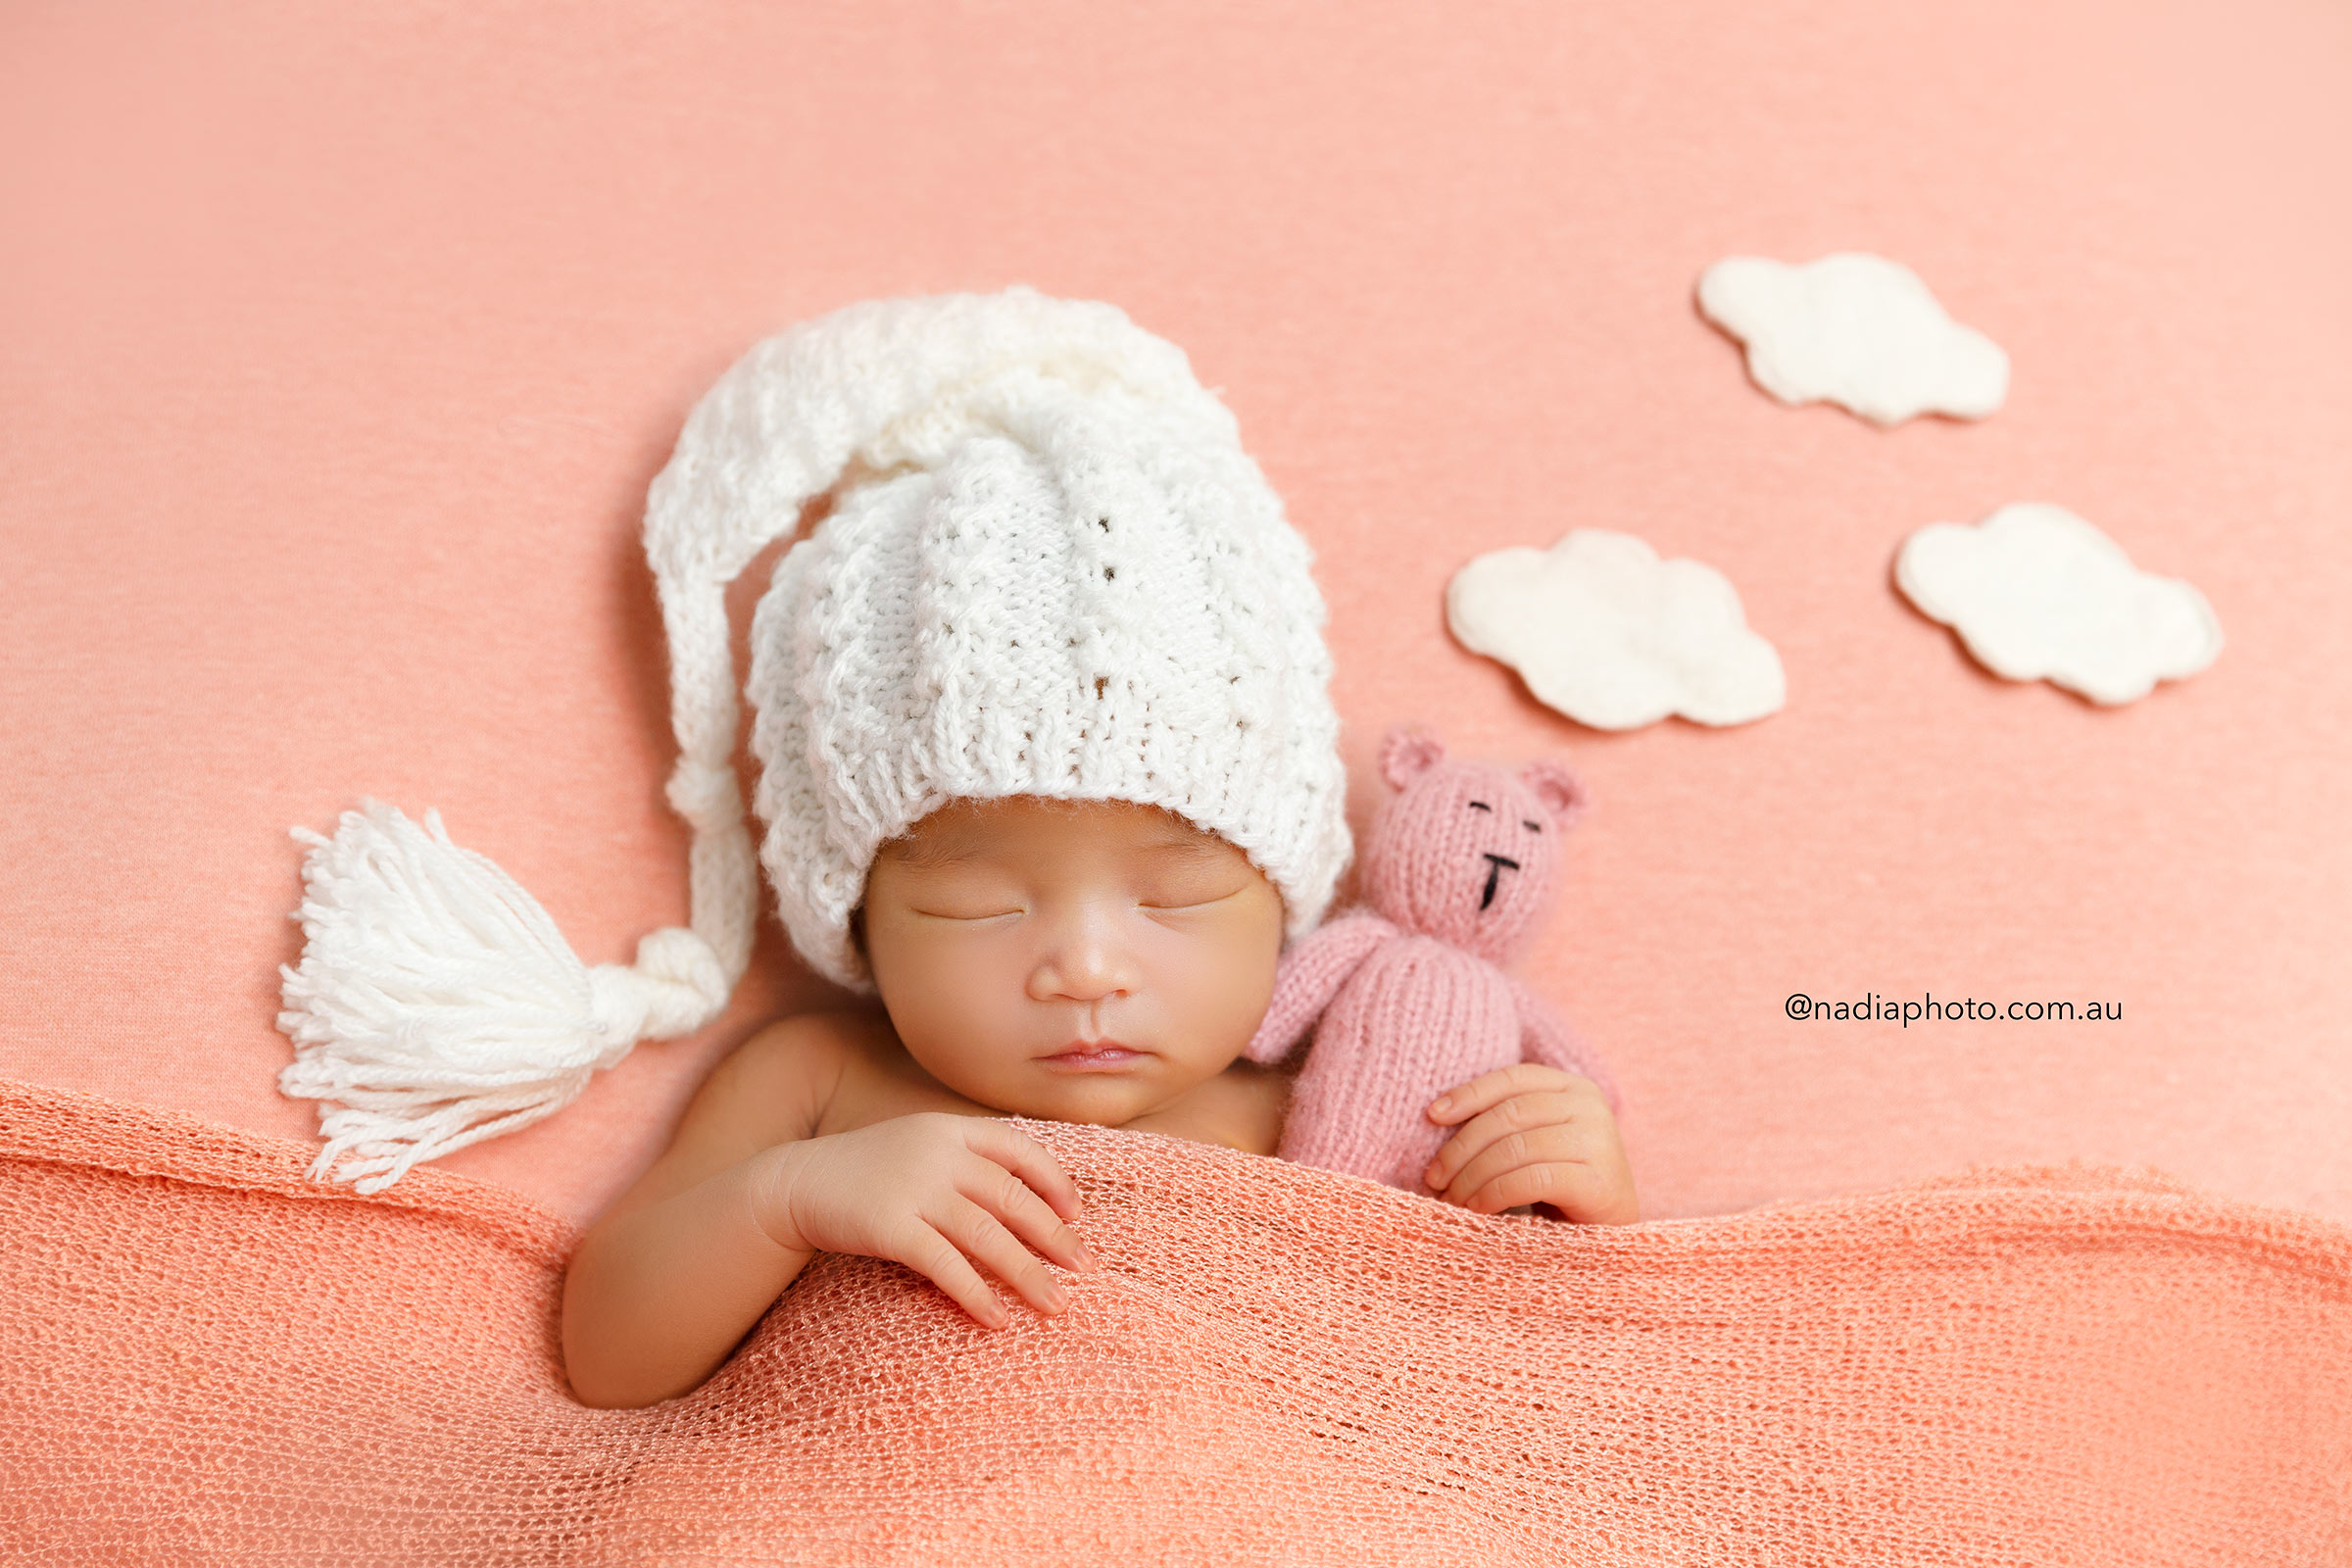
(439,1006)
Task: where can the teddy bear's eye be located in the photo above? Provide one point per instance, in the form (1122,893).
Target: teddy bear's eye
(1531,826)
(1480,806)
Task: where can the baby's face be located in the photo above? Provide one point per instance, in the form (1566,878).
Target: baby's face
(1007,935)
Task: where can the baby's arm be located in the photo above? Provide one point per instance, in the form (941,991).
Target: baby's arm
(669,1279)
(1310,975)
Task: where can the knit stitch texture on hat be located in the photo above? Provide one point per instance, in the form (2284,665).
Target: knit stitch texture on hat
(1051,570)
(1058,575)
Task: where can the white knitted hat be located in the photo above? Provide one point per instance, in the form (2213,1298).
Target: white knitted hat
(1049,569)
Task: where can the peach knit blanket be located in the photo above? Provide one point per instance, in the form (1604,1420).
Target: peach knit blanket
(204,1360)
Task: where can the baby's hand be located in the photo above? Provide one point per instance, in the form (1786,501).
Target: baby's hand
(1536,1135)
(927,1190)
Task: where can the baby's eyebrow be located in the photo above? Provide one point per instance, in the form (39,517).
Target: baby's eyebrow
(1188,848)
(931,855)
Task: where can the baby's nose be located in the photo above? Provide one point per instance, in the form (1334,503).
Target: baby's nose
(1083,963)
(1078,982)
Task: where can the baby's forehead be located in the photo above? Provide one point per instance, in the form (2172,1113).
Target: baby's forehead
(1019,827)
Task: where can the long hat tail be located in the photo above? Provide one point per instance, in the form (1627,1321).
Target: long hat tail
(436,1004)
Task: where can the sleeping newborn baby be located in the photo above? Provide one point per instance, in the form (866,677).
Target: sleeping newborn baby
(1096,962)
(1099,961)
(1047,764)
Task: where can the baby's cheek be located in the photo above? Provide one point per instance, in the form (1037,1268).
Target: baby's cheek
(947,991)
(1218,980)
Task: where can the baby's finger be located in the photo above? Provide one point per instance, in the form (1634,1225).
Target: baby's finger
(976,1230)
(1519,1114)
(1538,1146)
(922,1248)
(1493,1088)
(1004,1194)
(1577,1190)
(992,1138)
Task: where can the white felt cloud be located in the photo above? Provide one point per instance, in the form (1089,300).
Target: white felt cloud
(1854,330)
(2039,594)
(1610,635)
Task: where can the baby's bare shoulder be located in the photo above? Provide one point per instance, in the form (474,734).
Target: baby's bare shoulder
(772,1089)
(789,1073)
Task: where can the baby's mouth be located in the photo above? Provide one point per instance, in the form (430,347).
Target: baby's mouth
(1084,1056)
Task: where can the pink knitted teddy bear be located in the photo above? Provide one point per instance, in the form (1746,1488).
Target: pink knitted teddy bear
(1407,998)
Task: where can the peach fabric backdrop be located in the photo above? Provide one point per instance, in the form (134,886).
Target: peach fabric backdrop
(338,346)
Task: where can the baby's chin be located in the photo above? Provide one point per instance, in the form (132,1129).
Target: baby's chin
(1099,1100)
(1102,1097)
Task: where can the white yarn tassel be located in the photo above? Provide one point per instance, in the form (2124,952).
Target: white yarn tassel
(438,1004)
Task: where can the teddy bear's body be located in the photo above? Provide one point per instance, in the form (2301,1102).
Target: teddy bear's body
(1407,998)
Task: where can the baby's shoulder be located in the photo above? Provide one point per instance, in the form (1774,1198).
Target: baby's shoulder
(793,1071)
(816,1073)
(775,1087)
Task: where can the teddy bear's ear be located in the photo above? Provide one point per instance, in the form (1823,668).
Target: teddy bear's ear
(1561,792)
(1410,751)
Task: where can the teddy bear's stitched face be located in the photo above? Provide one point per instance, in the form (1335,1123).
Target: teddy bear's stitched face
(1467,851)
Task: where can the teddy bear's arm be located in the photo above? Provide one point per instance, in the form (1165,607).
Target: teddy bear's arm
(1546,1037)
(1310,976)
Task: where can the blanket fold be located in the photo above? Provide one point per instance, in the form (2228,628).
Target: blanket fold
(205,1358)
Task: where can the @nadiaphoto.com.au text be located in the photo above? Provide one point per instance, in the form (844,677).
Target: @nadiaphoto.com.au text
(1871,1007)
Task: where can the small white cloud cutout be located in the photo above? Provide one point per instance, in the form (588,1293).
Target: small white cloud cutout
(1607,633)
(2039,594)
(1854,330)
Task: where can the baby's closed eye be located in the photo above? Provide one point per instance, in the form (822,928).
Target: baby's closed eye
(982,910)
(1189,888)
(965,895)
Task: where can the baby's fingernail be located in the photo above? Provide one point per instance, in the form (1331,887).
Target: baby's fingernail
(1086,1259)
(1430,1176)
(1442,1104)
